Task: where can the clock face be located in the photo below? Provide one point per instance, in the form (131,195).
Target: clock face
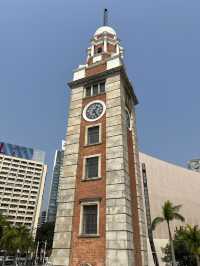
(94,110)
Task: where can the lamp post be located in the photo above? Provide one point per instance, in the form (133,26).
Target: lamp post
(44,252)
(36,253)
(17,258)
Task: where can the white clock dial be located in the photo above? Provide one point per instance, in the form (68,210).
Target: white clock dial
(94,110)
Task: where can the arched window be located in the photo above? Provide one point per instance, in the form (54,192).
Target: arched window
(99,50)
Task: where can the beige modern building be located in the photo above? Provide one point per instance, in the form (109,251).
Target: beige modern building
(22,178)
(167,181)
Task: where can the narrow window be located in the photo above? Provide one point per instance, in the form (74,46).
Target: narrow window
(89,225)
(92,167)
(128,122)
(88,91)
(93,135)
(95,89)
(99,50)
(102,87)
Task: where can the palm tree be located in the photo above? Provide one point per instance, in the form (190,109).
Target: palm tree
(9,239)
(3,224)
(16,239)
(25,238)
(191,236)
(4,227)
(169,213)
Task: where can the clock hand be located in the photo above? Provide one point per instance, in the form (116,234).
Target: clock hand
(95,111)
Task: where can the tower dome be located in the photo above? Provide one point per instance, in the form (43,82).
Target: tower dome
(104,45)
(106,29)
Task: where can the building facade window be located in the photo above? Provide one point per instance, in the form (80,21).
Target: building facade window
(92,167)
(95,89)
(93,135)
(128,100)
(128,119)
(99,50)
(89,220)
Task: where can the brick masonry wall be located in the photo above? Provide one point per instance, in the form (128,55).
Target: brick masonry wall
(95,69)
(85,249)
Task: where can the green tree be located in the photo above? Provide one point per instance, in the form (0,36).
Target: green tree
(25,242)
(45,234)
(3,223)
(25,239)
(191,236)
(9,239)
(16,239)
(182,251)
(169,213)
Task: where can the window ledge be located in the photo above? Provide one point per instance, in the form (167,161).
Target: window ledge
(91,179)
(102,93)
(88,236)
(93,144)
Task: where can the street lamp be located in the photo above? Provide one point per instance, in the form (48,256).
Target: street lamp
(36,252)
(17,259)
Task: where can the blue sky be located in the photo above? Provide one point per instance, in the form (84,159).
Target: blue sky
(41,42)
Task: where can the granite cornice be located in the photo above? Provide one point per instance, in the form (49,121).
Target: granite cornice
(103,75)
(99,76)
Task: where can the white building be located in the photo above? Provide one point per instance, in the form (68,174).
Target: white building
(167,181)
(22,178)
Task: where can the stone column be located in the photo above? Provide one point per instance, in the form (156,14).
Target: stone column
(119,231)
(63,227)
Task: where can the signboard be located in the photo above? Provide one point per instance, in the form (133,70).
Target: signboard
(21,152)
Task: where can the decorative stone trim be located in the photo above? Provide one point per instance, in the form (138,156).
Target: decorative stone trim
(88,203)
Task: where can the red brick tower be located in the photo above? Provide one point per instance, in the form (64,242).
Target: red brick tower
(100,216)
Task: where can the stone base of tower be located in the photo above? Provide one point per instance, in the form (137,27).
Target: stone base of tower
(120,258)
(60,257)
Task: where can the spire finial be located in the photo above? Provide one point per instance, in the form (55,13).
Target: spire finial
(105,17)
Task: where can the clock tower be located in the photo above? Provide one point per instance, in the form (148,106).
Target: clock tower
(100,216)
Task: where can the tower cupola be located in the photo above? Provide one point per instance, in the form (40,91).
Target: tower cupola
(104,52)
(104,44)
